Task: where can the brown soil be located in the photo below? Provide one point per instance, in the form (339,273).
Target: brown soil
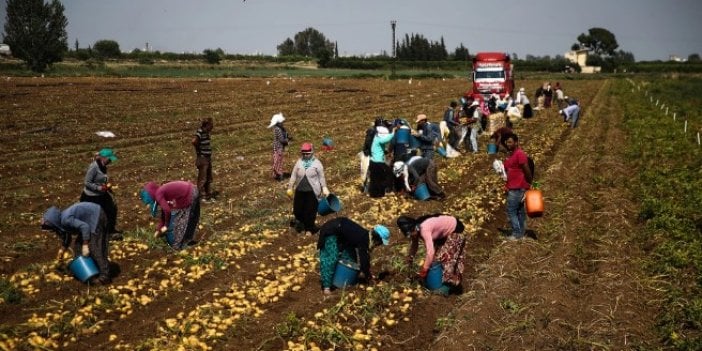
(578,286)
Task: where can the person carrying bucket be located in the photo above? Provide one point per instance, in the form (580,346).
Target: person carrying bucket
(518,181)
(418,170)
(306,187)
(343,238)
(444,242)
(179,202)
(89,221)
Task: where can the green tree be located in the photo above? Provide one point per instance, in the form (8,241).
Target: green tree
(599,41)
(461,53)
(106,49)
(310,42)
(36,32)
(693,58)
(212,56)
(286,48)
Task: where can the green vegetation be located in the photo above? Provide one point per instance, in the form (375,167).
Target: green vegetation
(9,293)
(668,182)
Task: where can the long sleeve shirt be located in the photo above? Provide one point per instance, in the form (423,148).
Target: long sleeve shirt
(81,217)
(95,178)
(314,174)
(173,195)
(433,228)
(350,235)
(378,147)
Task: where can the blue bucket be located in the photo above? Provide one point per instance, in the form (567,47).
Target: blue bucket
(441,151)
(329,204)
(422,192)
(434,278)
(83,268)
(327,142)
(402,136)
(170,238)
(345,274)
(491,149)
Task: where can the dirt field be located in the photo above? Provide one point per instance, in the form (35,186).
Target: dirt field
(251,284)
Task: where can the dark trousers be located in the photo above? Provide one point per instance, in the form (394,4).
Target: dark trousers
(430,177)
(305,209)
(97,245)
(380,179)
(204,175)
(107,203)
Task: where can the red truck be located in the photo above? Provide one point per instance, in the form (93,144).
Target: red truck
(492,73)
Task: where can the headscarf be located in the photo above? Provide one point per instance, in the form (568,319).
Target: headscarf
(277,118)
(148,196)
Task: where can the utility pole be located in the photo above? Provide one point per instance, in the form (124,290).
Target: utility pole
(393,23)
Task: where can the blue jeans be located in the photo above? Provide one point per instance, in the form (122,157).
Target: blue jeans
(516,213)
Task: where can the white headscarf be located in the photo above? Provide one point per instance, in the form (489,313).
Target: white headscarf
(277,118)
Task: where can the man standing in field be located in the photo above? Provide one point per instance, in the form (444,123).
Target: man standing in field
(519,179)
(203,162)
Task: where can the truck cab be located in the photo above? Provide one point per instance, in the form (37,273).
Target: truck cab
(492,74)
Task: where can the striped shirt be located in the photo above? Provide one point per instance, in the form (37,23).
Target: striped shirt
(204,148)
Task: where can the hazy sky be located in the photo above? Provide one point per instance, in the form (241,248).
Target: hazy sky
(650,29)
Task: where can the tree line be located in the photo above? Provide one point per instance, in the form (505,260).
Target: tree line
(36,32)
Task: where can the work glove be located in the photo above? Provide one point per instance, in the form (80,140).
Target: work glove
(423,273)
(325,191)
(85,250)
(289,193)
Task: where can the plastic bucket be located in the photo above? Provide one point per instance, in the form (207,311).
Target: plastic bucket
(170,238)
(491,149)
(402,136)
(345,274)
(83,268)
(422,192)
(329,204)
(434,278)
(327,142)
(441,151)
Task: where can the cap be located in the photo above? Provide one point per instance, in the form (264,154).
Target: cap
(421,117)
(383,232)
(475,103)
(108,153)
(306,148)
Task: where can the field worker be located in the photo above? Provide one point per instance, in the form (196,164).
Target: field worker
(548,95)
(400,151)
(364,155)
(281,138)
(380,172)
(346,239)
(571,113)
(427,136)
(444,242)
(474,114)
(498,137)
(306,187)
(89,222)
(203,161)
(419,170)
(518,182)
(522,99)
(98,189)
(179,202)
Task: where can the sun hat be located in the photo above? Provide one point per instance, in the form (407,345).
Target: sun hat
(382,130)
(277,118)
(421,117)
(383,232)
(108,153)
